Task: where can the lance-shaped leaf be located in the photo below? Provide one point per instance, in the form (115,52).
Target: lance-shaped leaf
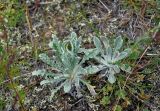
(126,67)
(90,88)
(111,78)
(93,69)
(46,82)
(39,72)
(90,53)
(116,68)
(44,57)
(97,43)
(67,86)
(122,55)
(105,42)
(118,43)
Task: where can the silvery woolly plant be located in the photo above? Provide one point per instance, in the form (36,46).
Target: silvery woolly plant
(110,56)
(67,64)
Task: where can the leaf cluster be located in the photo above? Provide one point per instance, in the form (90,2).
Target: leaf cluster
(69,57)
(110,57)
(68,65)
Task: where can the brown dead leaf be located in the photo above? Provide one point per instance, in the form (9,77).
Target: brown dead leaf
(34,109)
(60,26)
(48,33)
(140,77)
(125,19)
(144,96)
(1,34)
(143,7)
(156,37)
(126,102)
(1,18)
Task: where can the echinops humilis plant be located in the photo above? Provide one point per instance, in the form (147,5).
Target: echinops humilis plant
(109,57)
(69,71)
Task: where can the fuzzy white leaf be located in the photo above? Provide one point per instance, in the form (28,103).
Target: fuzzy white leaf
(90,53)
(73,35)
(116,68)
(93,69)
(45,82)
(118,43)
(44,57)
(126,68)
(97,43)
(108,56)
(39,72)
(105,42)
(90,88)
(67,86)
(111,78)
